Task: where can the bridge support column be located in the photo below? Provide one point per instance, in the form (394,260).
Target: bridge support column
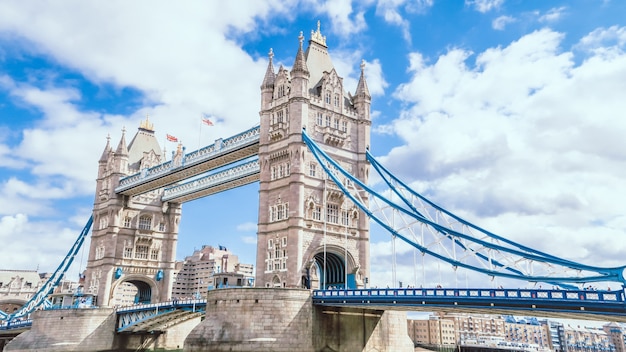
(344,329)
(66,330)
(277,319)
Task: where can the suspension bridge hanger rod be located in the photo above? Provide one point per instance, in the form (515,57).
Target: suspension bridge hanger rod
(549,263)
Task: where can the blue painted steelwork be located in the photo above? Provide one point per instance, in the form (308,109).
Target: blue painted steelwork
(489,255)
(15,325)
(230,174)
(128,318)
(571,302)
(40,298)
(220,147)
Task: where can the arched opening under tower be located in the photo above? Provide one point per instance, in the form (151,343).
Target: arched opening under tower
(132,292)
(327,271)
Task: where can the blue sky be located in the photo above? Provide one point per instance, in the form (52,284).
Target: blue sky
(508,113)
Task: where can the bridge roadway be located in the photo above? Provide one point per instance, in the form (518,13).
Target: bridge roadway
(217,155)
(567,304)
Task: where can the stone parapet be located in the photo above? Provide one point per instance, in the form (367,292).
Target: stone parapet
(254,319)
(67,330)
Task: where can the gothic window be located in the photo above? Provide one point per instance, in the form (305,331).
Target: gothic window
(281,91)
(344,126)
(284,241)
(141,251)
(281,171)
(327,121)
(280,209)
(332,213)
(127,221)
(320,119)
(145,222)
(345,218)
(161,226)
(312,169)
(327,97)
(270,243)
(154,254)
(99,252)
(128,252)
(336,99)
(279,212)
(273,172)
(280,116)
(317,213)
(336,124)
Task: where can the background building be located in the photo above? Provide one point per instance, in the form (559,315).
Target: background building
(196,273)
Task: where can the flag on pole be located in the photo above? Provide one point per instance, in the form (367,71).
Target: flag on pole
(207,121)
(171,138)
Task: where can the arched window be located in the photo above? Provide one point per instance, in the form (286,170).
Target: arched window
(145,222)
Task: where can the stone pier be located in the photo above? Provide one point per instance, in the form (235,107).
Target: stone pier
(266,319)
(67,330)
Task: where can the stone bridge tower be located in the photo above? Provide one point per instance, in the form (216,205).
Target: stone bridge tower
(133,241)
(309,234)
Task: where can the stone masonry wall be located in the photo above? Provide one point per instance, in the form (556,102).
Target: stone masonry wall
(254,319)
(67,330)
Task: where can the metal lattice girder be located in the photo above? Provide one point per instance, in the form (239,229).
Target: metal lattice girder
(161,321)
(446,237)
(216,155)
(41,296)
(217,182)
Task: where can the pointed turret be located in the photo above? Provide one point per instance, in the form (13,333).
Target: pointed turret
(361,88)
(362,98)
(299,66)
(122,150)
(270,76)
(267,87)
(300,73)
(106,151)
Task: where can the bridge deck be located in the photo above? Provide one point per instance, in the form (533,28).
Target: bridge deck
(214,156)
(592,305)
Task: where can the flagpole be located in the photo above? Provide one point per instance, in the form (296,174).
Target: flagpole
(200,133)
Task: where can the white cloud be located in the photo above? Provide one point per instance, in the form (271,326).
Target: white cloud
(50,235)
(391,12)
(501,22)
(484,5)
(604,39)
(247,227)
(553,14)
(528,153)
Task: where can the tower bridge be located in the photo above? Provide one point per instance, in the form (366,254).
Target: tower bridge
(310,157)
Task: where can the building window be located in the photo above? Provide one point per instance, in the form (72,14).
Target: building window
(280,116)
(312,169)
(128,252)
(327,121)
(345,218)
(161,226)
(154,254)
(270,243)
(317,213)
(320,119)
(336,124)
(332,213)
(284,241)
(327,97)
(141,251)
(127,221)
(336,99)
(145,222)
(99,252)
(279,212)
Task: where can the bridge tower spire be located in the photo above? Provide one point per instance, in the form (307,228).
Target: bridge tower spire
(133,242)
(309,234)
